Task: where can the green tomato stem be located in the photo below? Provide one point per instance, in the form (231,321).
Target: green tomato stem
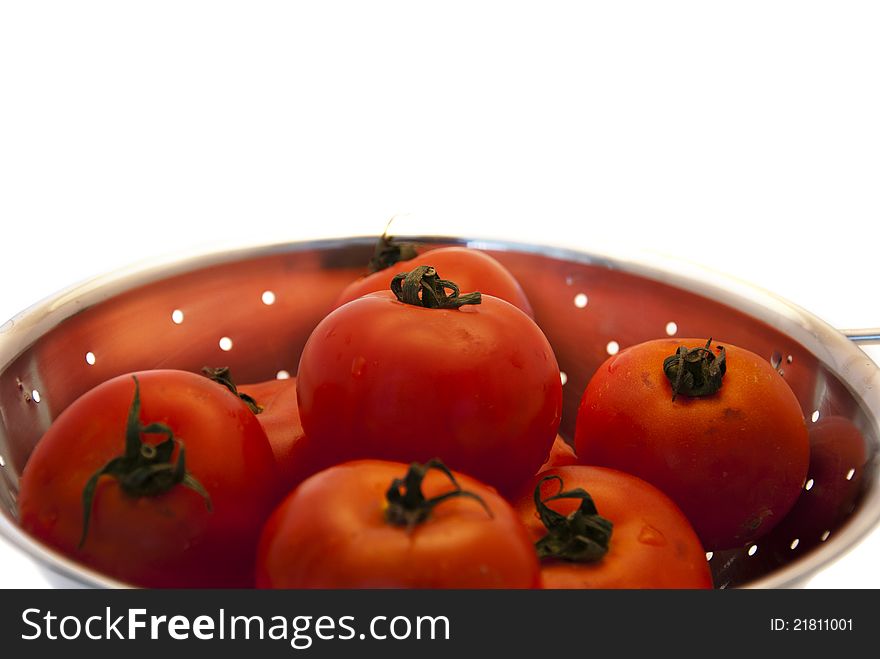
(407,505)
(583,536)
(222,375)
(144,469)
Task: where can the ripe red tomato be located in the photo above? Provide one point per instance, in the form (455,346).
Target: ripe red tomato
(274,403)
(733,460)
(279,416)
(651,542)
(181,512)
(376,524)
(838,456)
(477,386)
(471,269)
(561,455)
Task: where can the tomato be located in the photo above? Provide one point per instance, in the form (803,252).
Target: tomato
(279,416)
(378,524)
(274,403)
(649,543)
(838,459)
(471,269)
(173,512)
(477,386)
(561,454)
(730,447)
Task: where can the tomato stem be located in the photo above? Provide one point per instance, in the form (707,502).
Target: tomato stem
(407,505)
(388,252)
(222,375)
(695,372)
(422,287)
(144,469)
(583,536)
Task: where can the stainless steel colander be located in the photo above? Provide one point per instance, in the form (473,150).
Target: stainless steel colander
(253,309)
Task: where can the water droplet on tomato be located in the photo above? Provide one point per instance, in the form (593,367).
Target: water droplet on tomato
(357,366)
(651,536)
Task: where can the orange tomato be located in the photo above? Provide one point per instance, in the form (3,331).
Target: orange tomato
(733,460)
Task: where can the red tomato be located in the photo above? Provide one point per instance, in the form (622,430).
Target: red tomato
(274,403)
(838,457)
(652,544)
(561,455)
(734,460)
(375,524)
(476,386)
(147,525)
(279,416)
(471,269)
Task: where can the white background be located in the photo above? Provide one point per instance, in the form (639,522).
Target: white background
(742,136)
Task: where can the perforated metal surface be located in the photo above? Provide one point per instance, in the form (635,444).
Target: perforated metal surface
(253,310)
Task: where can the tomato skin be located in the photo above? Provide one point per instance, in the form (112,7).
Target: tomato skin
(331,533)
(561,455)
(470,269)
(733,461)
(280,419)
(167,540)
(652,543)
(838,456)
(477,387)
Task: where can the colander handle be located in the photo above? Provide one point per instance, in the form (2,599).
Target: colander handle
(866,336)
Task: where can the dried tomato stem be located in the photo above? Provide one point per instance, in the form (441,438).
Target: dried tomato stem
(583,536)
(422,287)
(695,372)
(388,252)
(222,375)
(407,505)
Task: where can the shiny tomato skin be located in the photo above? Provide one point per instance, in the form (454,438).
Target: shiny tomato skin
(477,387)
(652,543)
(280,419)
(838,460)
(470,269)
(170,539)
(331,533)
(733,461)
(561,455)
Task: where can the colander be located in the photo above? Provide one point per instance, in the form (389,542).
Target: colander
(253,309)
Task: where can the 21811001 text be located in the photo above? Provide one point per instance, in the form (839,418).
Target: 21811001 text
(811,624)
